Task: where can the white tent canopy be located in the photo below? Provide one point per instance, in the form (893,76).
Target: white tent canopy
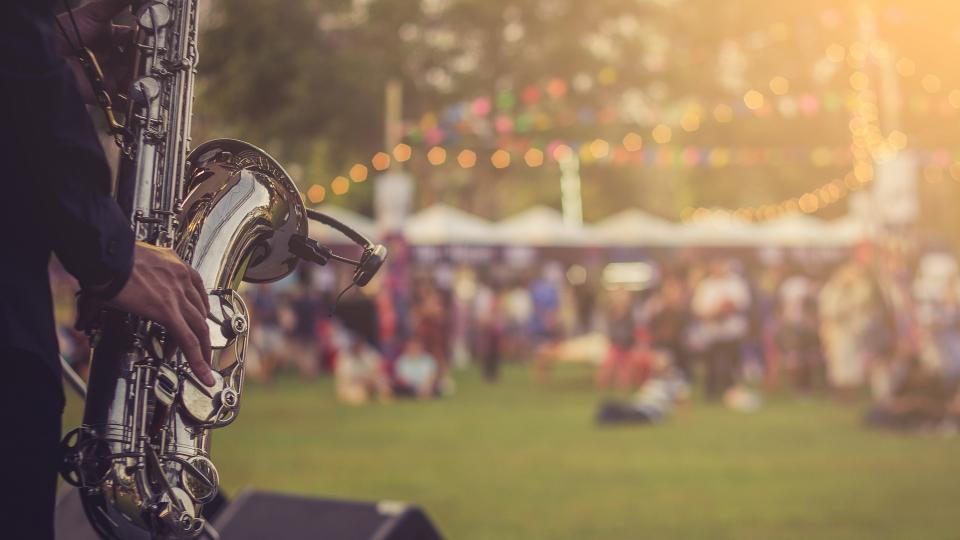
(443,224)
(634,227)
(330,236)
(541,226)
(850,230)
(717,230)
(797,230)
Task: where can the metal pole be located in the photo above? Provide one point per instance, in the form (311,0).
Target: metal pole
(570,197)
(393,116)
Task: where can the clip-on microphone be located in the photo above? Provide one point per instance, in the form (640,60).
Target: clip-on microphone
(366,267)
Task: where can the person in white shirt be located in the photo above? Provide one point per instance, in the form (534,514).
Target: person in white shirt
(720,303)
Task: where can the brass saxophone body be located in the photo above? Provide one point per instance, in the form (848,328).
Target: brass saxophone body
(141,458)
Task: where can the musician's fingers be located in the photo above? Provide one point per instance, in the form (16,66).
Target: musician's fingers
(192,350)
(196,319)
(201,289)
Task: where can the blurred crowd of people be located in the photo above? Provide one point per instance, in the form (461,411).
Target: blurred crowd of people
(879,320)
(727,325)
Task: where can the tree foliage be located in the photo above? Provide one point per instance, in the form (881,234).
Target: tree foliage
(306,79)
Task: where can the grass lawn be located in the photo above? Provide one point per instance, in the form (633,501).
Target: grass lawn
(518,461)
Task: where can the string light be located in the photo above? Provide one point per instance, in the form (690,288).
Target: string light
(779,85)
(533,157)
(359,172)
(632,142)
(906,67)
(500,159)
(868,143)
(380,161)
(931,83)
(662,134)
(402,152)
(723,113)
(836,52)
(599,148)
(467,158)
(562,152)
(753,100)
(437,155)
(316,193)
(340,185)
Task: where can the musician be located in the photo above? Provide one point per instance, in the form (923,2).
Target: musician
(55,186)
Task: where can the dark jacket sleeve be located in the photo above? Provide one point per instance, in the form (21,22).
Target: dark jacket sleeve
(67,178)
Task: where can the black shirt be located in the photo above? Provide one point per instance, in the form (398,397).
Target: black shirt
(54,185)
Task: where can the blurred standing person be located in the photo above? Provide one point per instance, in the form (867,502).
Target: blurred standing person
(937,294)
(463,331)
(797,336)
(668,314)
(720,303)
(546,324)
(433,327)
(519,312)
(266,335)
(898,324)
(855,326)
(490,325)
(304,307)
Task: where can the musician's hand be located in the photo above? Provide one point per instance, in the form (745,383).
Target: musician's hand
(164,289)
(111,43)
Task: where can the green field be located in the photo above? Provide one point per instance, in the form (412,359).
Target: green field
(519,461)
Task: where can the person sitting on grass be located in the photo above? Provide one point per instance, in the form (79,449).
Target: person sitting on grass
(654,401)
(360,374)
(415,372)
(627,362)
(920,399)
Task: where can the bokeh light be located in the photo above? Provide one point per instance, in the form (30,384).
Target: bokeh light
(723,113)
(632,142)
(662,134)
(316,193)
(359,172)
(340,185)
(467,158)
(500,159)
(533,157)
(402,152)
(753,100)
(599,148)
(437,155)
(562,152)
(779,85)
(380,161)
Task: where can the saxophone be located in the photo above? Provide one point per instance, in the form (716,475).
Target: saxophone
(141,458)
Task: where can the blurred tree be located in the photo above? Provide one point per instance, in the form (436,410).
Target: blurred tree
(306,80)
